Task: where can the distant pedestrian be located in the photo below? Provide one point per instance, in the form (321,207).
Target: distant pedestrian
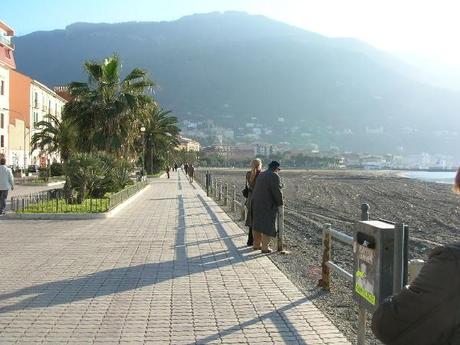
(168,169)
(266,198)
(426,312)
(251,177)
(191,172)
(6,183)
(186,169)
(175,166)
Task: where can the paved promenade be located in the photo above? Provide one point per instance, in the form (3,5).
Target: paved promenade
(169,268)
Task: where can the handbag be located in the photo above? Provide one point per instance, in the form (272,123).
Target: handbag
(245,192)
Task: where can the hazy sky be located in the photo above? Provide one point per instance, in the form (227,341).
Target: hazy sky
(429,28)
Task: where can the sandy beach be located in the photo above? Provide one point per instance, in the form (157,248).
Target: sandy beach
(315,197)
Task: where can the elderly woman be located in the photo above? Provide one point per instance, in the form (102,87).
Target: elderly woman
(251,177)
(426,312)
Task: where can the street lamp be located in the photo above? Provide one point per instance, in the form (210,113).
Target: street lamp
(143,149)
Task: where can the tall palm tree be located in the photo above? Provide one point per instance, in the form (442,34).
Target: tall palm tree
(107,110)
(54,136)
(161,135)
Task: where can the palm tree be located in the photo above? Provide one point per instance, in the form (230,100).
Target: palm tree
(161,135)
(107,110)
(54,136)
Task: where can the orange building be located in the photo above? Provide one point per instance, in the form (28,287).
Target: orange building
(19,124)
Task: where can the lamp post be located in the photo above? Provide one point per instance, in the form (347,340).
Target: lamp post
(143,150)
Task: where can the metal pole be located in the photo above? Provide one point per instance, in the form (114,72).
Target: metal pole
(280,219)
(325,281)
(233,198)
(362,313)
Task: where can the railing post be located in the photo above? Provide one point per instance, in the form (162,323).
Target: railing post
(325,281)
(233,198)
(215,189)
(362,314)
(208,180)
(243,211)
(365,211)
(226,195)
(220,191)
(280,235)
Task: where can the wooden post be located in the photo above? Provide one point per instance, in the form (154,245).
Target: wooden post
(280,235)
(325,281)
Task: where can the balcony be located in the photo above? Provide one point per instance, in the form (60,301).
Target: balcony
(6,41)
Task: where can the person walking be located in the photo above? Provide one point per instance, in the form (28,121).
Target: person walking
(6,183)
(191,172)
(266,198)
(426,312)
(168,170)
(186,169)
(251,177)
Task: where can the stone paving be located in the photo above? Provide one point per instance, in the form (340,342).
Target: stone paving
(169,268)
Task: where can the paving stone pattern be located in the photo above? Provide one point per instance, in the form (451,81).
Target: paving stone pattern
(170,268)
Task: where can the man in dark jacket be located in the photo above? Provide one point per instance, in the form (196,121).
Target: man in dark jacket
(266,198)
(427,312)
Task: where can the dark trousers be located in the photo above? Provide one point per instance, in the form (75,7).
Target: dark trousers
(3,196)
(250,238)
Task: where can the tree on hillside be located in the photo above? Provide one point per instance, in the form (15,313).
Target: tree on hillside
(108,111)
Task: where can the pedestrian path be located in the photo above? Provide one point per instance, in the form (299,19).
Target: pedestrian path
(169,268)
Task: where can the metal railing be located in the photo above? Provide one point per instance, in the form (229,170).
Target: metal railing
(53,201)
(220,191)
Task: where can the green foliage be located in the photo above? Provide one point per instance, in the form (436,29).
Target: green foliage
(44,174)
(107,110)
(62,206)
(54,136)
(57,169)
(97,174)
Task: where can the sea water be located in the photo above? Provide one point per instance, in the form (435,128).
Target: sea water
(432,176)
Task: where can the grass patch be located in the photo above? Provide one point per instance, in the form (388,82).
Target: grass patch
(61,206)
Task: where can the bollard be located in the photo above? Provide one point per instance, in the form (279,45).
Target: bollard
(233,198)
(280,234)
(325,281)
(226,195)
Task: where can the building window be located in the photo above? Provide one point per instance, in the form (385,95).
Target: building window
(2,87)
(2,141)
(49,106)
(2,120)
(36,100)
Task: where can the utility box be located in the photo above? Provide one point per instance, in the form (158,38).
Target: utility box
(373,251)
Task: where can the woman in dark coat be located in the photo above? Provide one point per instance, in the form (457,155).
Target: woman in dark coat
(251,177)
(266,199)
(426,312)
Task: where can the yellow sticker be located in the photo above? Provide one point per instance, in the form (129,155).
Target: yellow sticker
(360,274)
(365,294)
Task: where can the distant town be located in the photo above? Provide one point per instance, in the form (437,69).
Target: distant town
(223,146)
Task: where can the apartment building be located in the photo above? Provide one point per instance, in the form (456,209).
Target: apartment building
(44,101)
(7,63)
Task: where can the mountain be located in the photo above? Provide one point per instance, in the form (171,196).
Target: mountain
(232,67)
